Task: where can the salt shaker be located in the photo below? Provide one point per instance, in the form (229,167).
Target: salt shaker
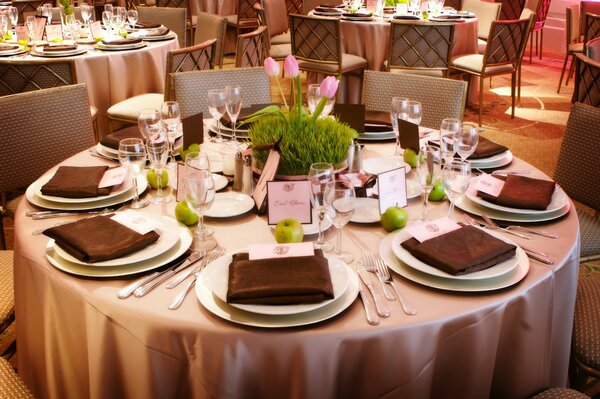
(354,157)
(238,176)
(247,181)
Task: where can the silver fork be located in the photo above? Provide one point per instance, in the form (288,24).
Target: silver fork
(507,228)
(218,251)
(368,261)
(472,221)
(383,270)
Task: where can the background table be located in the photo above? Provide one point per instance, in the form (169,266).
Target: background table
(76,339)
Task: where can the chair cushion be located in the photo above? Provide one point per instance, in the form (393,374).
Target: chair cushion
(474,63)
(481,45)
(560,393)
(576,48)
(11,386)
(589,229)
(423,72)
(93,112)
(130,109)
(586,324)
(7,293)
(284,38)
(233,21)
(349,63)
(280,51)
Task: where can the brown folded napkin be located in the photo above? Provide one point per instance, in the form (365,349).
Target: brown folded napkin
(332,5)
(8,47)
(64,47)
(378,118)
(328,9)
(160,31)
(99,238)
(523,192)
(244,114)
(487,148)
(112,140)
(461,251)
(302,279)
(121,42)
(357,14)
(147,25)
(76,182)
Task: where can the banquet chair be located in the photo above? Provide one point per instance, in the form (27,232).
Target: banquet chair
(245,19)
(592,49)
(26,7)
(11,386)
(486,13)
(276,19)
(573,44)
(440,97)
(18,77)
(7,294)
(421,48)
(191,88)
(212,26)
(538,28)
(592,27)
(587,81)
(560,393)
(198,57)
(587,7)
(511,9)
(275,51)
(251,48)
(456,4)
(294,7)
(503,54)
(316,43)
(173,18)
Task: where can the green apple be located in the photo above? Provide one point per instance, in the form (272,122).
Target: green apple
(153,179)
(289,230)
(410,157)
(437,193)
(191,148)
(184,214)
(394,218)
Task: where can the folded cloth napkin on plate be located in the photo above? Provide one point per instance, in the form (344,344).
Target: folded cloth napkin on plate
(282,281)
(112,140)
(147,25)
(64,47)
(99,238)
(408,17)
(8,47)
(244,114)
(461,251)
(332,5)
(328,9)
(357,14)
(523,192)
(378,117)
(121,42)
(161,31)
(76,182)
(487,148)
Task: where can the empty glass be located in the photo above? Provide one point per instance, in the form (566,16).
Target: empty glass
(148,122)
(132,156)
(319,175)
(3,25)
(13,14)
(415,112)
(171,118)
(157,147)
(340,201)
(449,130)
(86,13)
(428,171)
(314,96)
(132,18)
(467,139)
(47,12)
(31,25)
(233,105)
(107,17)
(398,110)
(456,177)
(217,108)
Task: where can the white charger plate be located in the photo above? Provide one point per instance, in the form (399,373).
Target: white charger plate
(217,279)
(227,312)
(491,284)
(225,131)
(168,36)
(409,260)
(379,165)
(120,47)
(54,54)
(559,199)
(7,53)
(229,204)
(495,161)
(183,243)
(469,206)
(169,235)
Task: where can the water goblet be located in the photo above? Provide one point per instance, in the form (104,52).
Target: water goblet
(340,201)
(132,156)
(31,25)
(109,8)
(86,13)
(3,25)
(148,121)
(107,17)
(313,97)
(13,14)
(428,171)
(233,106)
(171,118)
(449,130)
(467,140)
(132,18)
(157,148)
(398,110)
(217,108)
(415,112)
(47,12)
(319,175)
(456,177)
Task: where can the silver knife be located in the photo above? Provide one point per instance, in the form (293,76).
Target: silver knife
(372,317)
(382,309)
(148,286)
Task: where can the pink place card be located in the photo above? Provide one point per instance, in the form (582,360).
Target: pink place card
(22,33)
(96,30)
(113,177)
(289,199)
(41,25)
(136,221)
(430,229)
(180,182)
(268,251)
(488,184)
(54,33)
(268,173)
(392,189)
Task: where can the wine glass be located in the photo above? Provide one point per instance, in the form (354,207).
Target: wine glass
(171,117)
(398,110)
(132,17)
(428,171)
(157,147)
(107,20)
(3,25)
(109,8)
(217,107)
(233,105)
(86,13)
(31,24)
(340,201)
(120,17)
(319,175)
(449,130)
(415,112)
(314,96)
(456,177)
(47,12)
(13,14)
(148,119)
(132,156)
(200,195)
(467,139)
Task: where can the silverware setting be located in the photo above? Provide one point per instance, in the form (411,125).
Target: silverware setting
(473,222)
(384,271)
(370,314)
(368,261)
(513,227)
(380,306)
(217,252)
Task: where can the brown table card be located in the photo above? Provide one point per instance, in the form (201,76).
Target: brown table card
(351,114)
(41,27)
(193,130)
(289,199)
(409,135)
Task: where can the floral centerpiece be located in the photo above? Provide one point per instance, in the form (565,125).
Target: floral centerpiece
(302,139)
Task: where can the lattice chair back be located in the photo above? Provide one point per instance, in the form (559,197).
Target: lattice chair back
(19,77)
(294,6)
(541,12)
(587,81)
(511,9)
(592,27)
(211,26)
(592,49)
(315,39)
(420,46)
(194,58)
(456,4)
(191,88)
(26,7)
(245,10)
(171,17)
(251,48)
(506,42)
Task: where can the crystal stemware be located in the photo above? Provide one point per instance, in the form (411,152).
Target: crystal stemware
(340,201)
(456,177)
(31,25)
(171,117)
(47,12)
(148,120)
(157,147)
(398,110)
(233,105)
(314,97)
(132,156)
(13,14)
(3,25)
(449,130)
(132,18)
(319,175)
(467,140)
(217,108)
(415,112)
(427,170)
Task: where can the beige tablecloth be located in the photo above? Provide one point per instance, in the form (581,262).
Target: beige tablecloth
(78,340)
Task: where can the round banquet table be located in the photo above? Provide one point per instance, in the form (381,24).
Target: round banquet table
(77,339)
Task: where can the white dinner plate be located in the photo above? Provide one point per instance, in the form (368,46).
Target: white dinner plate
(169,235)
(182,245)
(230,204)
(491,284)
(7,53)
(227,312)
(225,131)
(366,210)
(107,151)
(559,199)
(168,36)
(409,260)
(313,228)
(217,279)
(377,136)
(52,54)
(120,47)
(495,161)
(469,206)
(379,165)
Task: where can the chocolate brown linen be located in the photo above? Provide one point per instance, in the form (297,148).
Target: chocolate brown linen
(160,31)
(8,47)
(523,192)
(76,182)
(121,42)
(487,148)
(99,238)
(283,281)
(244,114)
(112,140)
(461,251)
(65,47)
(147,25)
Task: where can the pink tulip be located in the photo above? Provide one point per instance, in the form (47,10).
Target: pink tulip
(271,67)
(290,67)
(329,87)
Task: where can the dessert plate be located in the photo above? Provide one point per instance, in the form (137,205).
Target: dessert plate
(379,165)
(229,204)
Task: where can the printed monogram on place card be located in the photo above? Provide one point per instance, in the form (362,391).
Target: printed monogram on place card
(425,231)
(488,184)
(266,251)
(289,200)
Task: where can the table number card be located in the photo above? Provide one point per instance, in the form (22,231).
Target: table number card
(409,135)
(96,30)
(268,174)
(289,199)
(430,229)
(352,114)
(488,184)
(392,189)
(54,33)
(41,25)
(269,251)
(193,130)
(113,177)
(136,221)
(22,33)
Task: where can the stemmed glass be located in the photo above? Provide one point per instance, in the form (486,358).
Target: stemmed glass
(340,201)
(3,25)
(456,177)
(449,130)
(132,155)
(466,140)
(157,147)
(132,17)
(319,175)
(148,121)
(200,195)
(31,24)
(171,117)
(13,14)
(86,13)
(120,17)
(47,12)
(107,20)
(233,105)
(217,107)
(428,170)
(415,112)
(398,110)
(314,96)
